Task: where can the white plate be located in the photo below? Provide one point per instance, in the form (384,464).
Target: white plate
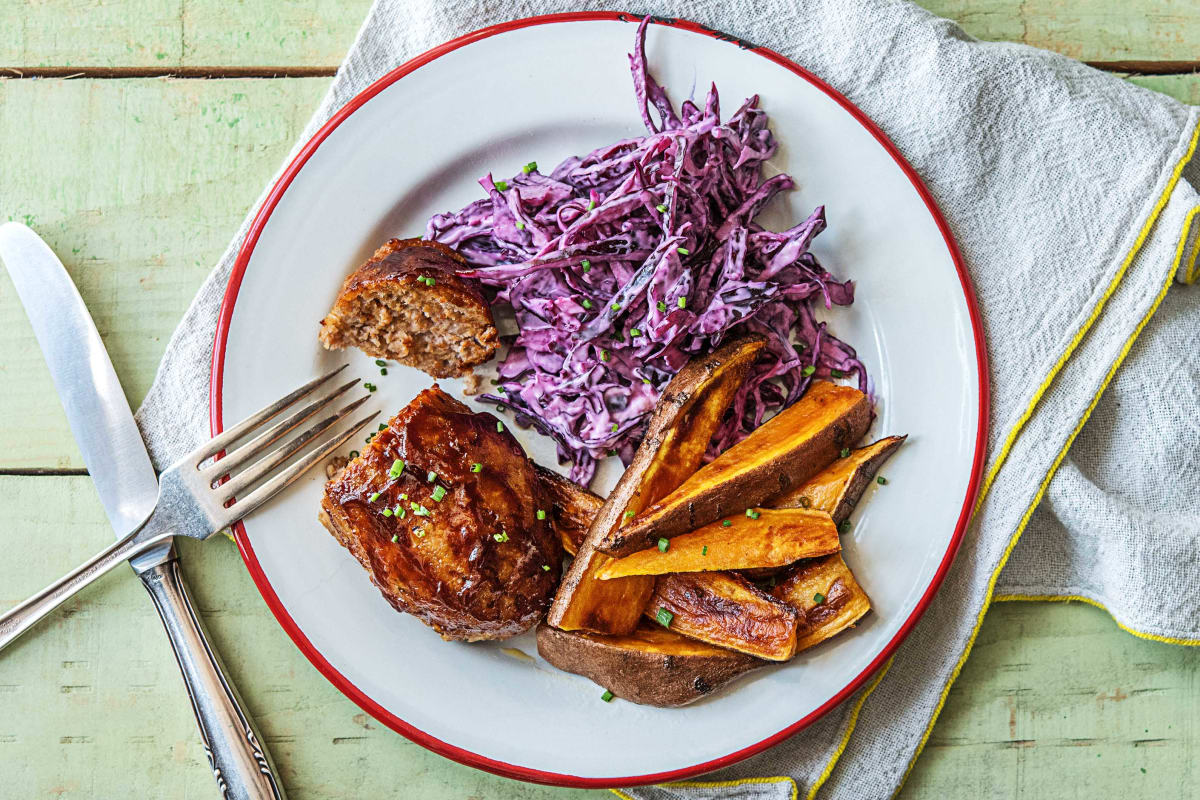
(413,144)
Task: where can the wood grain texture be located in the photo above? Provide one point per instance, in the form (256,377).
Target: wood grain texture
(138,184)
(166,34)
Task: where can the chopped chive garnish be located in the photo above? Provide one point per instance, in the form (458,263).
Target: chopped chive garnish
(704,550)
(438,493)
(477,467)
(370,387)
(397,468)
(499,427)
(752,514)
(387,512)
(587,265)
(379,362)
(682,302)
(400,512)
(662,208)
(845,452)
(664,617)
(354,454)
(646,381)
(520,226)
(530,167)
(882,481)
(614,427)
(586,303)
(545,567)
(374,496)
(502,536)
(383,370)
(628,514)
(541,514)
(683,251)
(395,537)
(662,306)
(418,509)
(607,696)
(809,370)
(663,544)
(725,523)
(501,186)
(616,306)
(404,495)
(634,332)
(420,532)
(818,598)
(370,436)
(805,502)
(603,355)
(430,476)
(837,373)
(382,427)
(844,527)
(430,281)
(591,205)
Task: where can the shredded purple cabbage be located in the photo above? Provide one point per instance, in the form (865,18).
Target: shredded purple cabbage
(623,264)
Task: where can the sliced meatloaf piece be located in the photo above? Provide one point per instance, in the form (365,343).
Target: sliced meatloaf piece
(463,549)
(407,304)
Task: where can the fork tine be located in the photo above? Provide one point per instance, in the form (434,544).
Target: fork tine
(268,490)
(223,440)
(241,455)
(264,466)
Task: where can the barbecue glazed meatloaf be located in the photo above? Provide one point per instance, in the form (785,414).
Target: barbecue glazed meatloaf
(461,547)
(408,305)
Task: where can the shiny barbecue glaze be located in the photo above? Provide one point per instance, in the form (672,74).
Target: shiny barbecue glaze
(480,564)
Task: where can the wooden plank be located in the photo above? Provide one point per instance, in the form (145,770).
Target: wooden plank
(138,185)
(92,705)
(1056,701)
(316,33)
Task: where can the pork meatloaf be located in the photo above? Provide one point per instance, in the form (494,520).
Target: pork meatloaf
(442,509)
(407,304)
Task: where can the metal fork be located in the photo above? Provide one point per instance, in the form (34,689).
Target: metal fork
(199,496)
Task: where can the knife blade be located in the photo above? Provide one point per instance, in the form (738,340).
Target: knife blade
(120,468)
(86,383)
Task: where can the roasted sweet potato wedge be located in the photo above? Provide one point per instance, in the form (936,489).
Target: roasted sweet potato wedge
(687,414)
(826,595)
(773,538)
(725,610)
(837,488)
(651,665)
(572,507)
(784,452)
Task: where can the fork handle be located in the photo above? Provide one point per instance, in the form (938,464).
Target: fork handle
(240,763)
(20,619)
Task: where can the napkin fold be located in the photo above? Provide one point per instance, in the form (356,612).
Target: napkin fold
(1072,196)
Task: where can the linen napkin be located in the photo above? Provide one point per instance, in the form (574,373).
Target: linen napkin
(1071,196)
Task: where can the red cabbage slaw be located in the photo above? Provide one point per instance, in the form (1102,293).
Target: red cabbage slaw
(622,265)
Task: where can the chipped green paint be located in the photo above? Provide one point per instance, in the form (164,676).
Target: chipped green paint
(139,183)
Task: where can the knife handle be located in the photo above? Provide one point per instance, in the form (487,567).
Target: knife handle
(240,763)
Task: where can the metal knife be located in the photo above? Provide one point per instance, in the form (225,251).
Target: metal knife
(120,467)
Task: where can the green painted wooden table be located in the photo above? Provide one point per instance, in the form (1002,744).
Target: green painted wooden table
(134,135)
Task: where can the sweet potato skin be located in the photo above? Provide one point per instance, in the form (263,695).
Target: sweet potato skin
(782,453)
(774,538)
(844,601)
(651,666)
(726,610)
(838,488)
(688,413)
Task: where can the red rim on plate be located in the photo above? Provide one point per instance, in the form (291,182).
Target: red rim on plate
(457,753)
